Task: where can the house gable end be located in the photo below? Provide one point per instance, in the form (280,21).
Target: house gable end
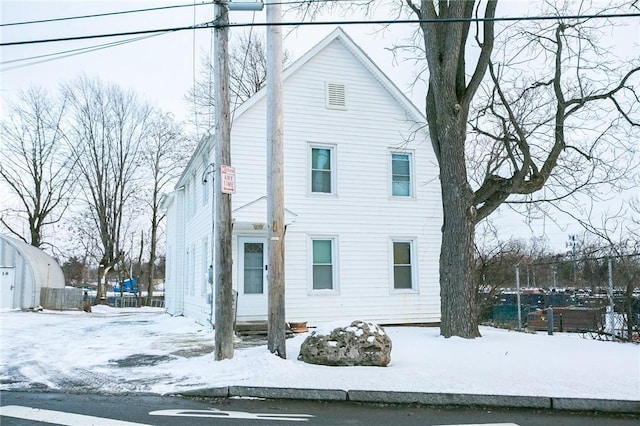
(339,34)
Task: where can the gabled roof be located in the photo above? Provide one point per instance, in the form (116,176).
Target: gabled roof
(202,149)
(341,35)
(338,34)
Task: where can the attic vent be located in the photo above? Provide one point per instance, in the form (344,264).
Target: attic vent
(336,98)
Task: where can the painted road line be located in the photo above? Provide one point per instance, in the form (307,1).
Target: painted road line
(482,424)
(60,417)
(219,414)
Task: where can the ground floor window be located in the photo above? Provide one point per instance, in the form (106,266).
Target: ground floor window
(403,265)
(323,263)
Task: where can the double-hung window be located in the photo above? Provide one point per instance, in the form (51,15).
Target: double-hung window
(323,264)
(322,169)
(403,265)
(401,175)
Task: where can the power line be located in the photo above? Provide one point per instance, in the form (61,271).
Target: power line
(367,22)
(151,9)
(443,20)
(97,15)
(74,52)
(126,33)
(68,53)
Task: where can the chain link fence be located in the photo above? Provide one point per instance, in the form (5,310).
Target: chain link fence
(131,301)
(598,297)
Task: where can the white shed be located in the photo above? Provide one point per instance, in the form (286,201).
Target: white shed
(24,270)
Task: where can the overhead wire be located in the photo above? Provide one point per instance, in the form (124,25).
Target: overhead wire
(436,20)
(73,52)
(151,9)
(120,34)
(69,53)
(348,22)
(99,15)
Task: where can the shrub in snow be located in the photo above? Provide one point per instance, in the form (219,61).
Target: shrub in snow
(361,343)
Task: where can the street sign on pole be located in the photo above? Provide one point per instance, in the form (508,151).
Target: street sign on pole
(228,179)
(222,244)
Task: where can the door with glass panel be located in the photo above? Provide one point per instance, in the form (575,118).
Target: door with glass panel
(252,277)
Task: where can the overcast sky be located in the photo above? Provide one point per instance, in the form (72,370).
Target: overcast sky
(159,67)
(162,68)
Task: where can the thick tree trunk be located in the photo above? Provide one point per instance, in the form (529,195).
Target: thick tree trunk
(457,261)
(457,266)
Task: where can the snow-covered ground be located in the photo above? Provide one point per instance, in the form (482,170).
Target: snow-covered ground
(145,350)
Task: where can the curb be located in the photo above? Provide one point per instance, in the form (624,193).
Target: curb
(424,398)
(288,393)
(604,405)
(221,392)
(450,399)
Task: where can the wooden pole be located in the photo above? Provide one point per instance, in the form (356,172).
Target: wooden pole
(275,183)
(222,139)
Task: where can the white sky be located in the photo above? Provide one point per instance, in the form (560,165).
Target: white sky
(77,351)
(162,68)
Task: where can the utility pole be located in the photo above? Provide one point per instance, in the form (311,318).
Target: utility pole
(222,229)
(275,182)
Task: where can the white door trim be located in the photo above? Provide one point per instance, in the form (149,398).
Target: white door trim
(252,305)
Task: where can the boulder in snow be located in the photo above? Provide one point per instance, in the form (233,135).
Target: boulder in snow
(361,343)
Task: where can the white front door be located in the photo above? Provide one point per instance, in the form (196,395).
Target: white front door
(252,278)
(7,286)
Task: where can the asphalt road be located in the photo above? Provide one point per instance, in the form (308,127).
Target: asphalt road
(32,408)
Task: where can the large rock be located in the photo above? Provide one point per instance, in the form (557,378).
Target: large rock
(361,343)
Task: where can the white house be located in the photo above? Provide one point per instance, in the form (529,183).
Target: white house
(362,199)
(24,271)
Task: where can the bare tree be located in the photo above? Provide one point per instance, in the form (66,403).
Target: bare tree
(495,267)
(616,239)
(108,128)
(164,156)
(552,127)
(247,75)
(36,167)
(522,157)
(84,240)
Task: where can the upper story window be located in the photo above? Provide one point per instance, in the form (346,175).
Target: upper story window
(322,169)
(401,171)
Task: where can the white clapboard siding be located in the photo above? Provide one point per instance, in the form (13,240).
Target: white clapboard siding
(362,215)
